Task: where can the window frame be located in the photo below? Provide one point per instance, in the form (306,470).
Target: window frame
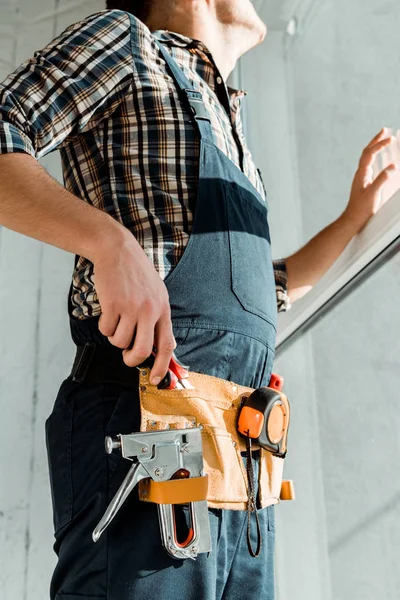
(371,248)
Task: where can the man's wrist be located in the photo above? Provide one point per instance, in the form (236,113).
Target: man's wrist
(349,224)
(107,238)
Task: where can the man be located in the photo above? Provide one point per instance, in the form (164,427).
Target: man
(172,250)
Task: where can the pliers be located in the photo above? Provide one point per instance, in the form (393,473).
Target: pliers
(176,376)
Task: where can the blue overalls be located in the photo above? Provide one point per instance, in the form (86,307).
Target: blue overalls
(223,306)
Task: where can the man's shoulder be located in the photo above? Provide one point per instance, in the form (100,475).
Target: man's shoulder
(106,22)
(109,31)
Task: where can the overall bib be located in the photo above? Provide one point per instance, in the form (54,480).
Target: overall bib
(223,306)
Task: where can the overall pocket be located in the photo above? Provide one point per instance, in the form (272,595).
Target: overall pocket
(253,281)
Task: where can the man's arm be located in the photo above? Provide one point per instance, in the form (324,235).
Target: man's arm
(34,204)
(306,267)
(69,86)
(64,90)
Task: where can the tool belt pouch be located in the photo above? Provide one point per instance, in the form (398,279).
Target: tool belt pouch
(214,404)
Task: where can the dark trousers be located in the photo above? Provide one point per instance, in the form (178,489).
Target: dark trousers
(128,562)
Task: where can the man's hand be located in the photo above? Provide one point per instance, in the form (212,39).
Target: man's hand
(311,262)
(365,196)
(134,302)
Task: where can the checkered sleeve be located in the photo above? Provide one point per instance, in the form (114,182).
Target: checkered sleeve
(66,88)
(282,296)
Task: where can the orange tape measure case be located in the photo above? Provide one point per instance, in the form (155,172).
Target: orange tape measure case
(265,416)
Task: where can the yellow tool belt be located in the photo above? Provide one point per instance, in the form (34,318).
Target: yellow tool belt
(214,404)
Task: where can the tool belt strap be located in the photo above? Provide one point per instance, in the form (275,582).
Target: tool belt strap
(174,491)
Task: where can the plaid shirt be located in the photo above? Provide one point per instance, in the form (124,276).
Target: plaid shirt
(101,95)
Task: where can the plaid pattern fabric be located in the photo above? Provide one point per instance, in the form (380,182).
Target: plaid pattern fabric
(100,94)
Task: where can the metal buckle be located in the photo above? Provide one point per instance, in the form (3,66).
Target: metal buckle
(197,105)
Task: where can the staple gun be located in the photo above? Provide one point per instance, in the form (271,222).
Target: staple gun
(171,463)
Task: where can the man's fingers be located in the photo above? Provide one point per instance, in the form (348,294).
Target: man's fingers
(379,136)
(108,322)
(143,344)
(368,156)
(124,332)
(165,345)
(382,178)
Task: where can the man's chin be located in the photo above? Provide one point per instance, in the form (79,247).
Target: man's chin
(259,28)
(264,32)
(259,33)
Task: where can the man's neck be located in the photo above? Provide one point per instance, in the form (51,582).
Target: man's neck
(225,42)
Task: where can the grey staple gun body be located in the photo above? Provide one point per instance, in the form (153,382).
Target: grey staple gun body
(160,456)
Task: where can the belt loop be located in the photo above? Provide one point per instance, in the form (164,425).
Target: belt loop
(82,366)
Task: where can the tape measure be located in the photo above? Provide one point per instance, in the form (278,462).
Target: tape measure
(264,417)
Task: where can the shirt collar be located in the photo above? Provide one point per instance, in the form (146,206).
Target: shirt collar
(177,39)
(235,93)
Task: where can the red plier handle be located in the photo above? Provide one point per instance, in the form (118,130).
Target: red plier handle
(176,371)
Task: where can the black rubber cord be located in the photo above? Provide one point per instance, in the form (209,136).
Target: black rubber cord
(251,503)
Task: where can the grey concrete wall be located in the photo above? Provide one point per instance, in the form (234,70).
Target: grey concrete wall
(325,93)
(35,347)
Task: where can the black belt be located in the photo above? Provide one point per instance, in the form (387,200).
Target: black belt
(100,364)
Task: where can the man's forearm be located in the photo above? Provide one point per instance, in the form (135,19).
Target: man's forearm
(306,267)
(34,204)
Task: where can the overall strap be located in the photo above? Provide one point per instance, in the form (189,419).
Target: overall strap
(192,97)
